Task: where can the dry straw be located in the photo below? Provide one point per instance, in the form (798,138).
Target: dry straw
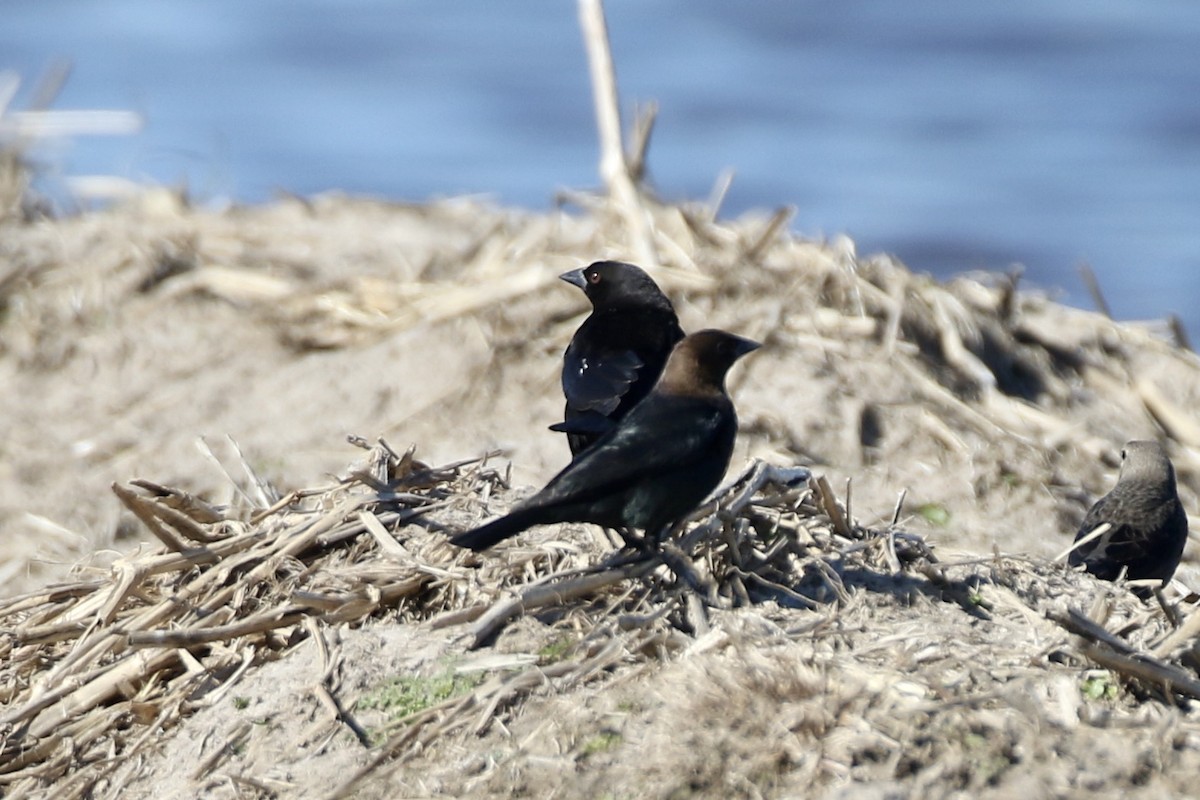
(92,669)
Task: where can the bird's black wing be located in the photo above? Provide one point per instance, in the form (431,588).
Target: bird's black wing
(1101,552)
(587,423)
(661,433)
(596,379)
(1126,542)
(1147,542)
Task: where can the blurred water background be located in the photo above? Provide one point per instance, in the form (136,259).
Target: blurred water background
(954,135)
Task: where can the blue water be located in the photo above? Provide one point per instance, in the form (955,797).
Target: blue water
(954,135)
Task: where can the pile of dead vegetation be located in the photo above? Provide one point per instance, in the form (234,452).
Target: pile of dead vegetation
(98,675)
(446,322)
(787,642)
(322,641)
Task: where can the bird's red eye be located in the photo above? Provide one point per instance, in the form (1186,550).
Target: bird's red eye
(593,277)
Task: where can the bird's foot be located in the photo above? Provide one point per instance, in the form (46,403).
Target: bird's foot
(638,544)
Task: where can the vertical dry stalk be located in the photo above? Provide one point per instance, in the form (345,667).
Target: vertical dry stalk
(614,169)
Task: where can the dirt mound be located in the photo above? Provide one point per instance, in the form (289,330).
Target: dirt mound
(330,642)
(272,628)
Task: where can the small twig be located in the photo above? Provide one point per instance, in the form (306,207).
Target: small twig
(1179,332)
(229,748)
(697,616)
(716,197)
(1189,630)
(1080,624)
(639,145)
(189,637)
(1007,306)
(266,492)
(967,600)
(197,509)
(1174,420)
(954,350)
(141,509)
(206,450)
(537,596)
(679,563)
(1145,669)
(1095,533)
(775,225)
(181,522)
(896,299)
(899,507)
(833,581)
(775,587)
(1167,609)
(1093,287)
(889,549)
(829,505)
(324,688)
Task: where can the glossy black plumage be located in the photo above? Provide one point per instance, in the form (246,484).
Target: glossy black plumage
(618,352)
(656,465)
(1148,524)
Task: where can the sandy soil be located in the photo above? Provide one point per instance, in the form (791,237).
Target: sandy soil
(128,336)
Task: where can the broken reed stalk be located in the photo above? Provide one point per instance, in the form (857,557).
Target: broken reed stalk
(1145,669)
(1176,421)
(614,166)
(1113,652)
(559,592)
(1092,283)
(829,505)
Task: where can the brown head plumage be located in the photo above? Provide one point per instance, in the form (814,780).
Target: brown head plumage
(698,364)
(658,462)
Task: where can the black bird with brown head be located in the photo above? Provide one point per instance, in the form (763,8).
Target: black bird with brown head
(656,465)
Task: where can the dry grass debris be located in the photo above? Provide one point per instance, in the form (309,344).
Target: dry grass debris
(792,599)
(807,633)
(800,639)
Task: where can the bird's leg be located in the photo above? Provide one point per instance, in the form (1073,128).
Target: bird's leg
(632,540)
(667,532)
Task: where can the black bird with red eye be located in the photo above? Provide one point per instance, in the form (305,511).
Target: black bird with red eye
(618,352)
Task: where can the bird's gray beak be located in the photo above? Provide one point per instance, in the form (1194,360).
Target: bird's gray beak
(575,278)
(746,346)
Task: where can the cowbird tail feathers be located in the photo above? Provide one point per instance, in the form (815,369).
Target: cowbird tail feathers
(585,424)
(496,531)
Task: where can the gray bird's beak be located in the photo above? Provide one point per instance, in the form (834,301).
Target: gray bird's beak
(575,278)
(746,346)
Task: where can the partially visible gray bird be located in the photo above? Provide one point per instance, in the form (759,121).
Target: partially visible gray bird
(1148,526)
